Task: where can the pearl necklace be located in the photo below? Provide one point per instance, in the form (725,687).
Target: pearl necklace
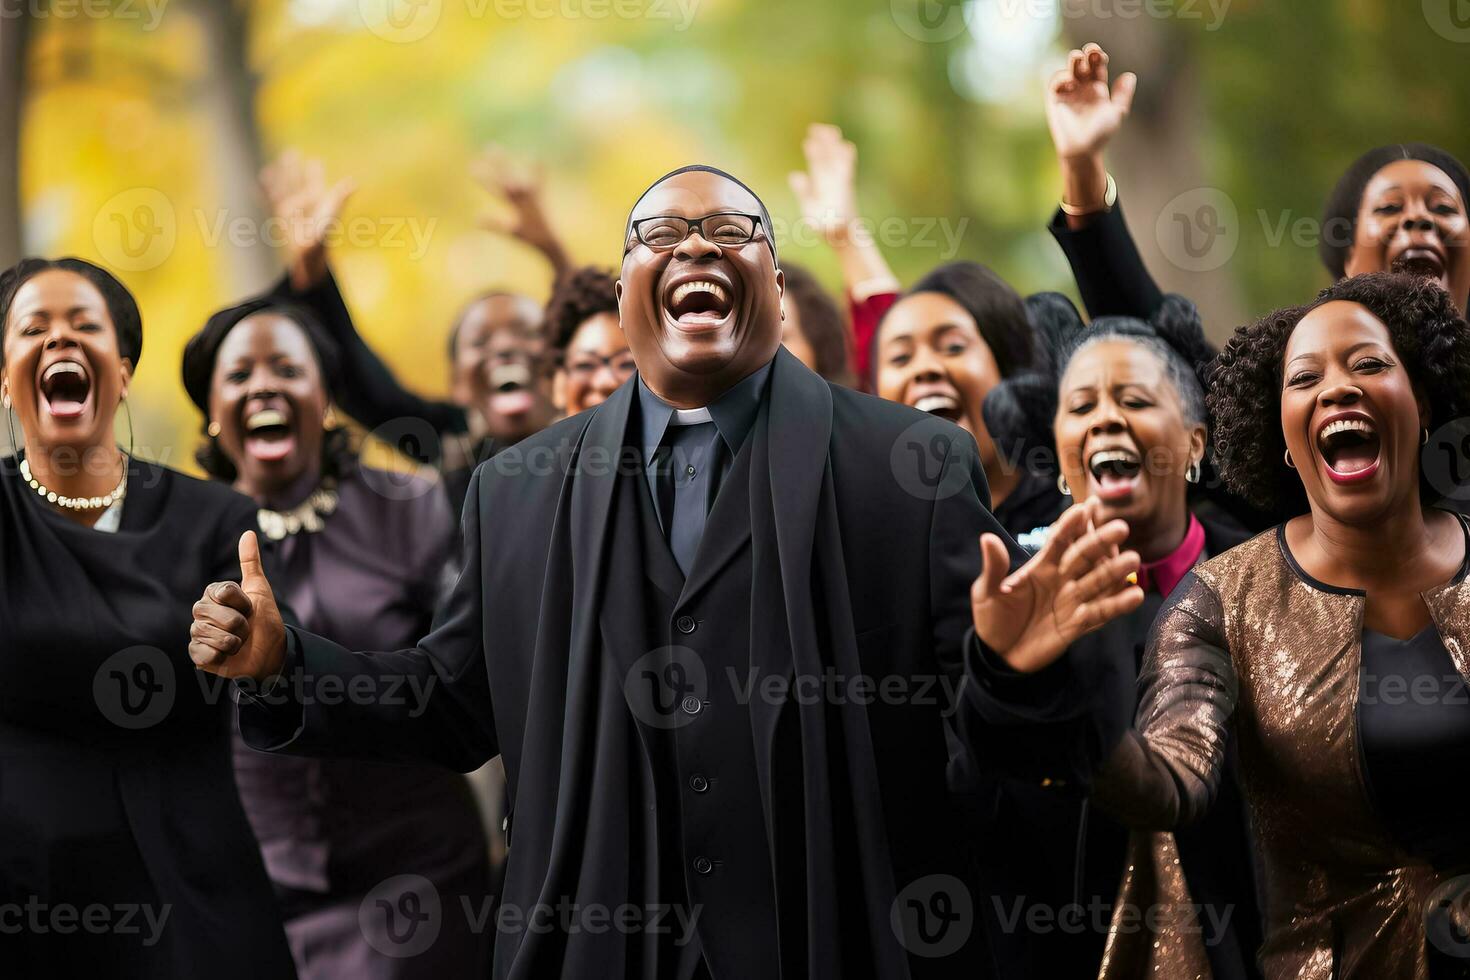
(75,503)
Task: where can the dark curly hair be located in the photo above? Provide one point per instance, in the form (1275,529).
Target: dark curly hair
(578,296)
(200,353)
(1020,412)
(121,306)
(822,324)
(1340,216)
(1428,333)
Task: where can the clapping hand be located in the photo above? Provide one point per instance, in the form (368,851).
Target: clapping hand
(1078,581)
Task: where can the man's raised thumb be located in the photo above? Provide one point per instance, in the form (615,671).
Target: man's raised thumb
(252,576)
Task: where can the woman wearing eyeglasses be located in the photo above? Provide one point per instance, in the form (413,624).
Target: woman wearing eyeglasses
(582,322)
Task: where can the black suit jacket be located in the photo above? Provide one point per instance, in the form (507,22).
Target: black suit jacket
(865,516)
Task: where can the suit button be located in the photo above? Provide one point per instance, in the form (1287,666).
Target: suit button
(698,783)
(703,865)
(685,624)
(692,705)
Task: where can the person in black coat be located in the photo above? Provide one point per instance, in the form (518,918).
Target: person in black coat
(1119,407)
(709,625)
(124,852)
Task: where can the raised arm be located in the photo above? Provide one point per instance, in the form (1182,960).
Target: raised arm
(1166,771)
(519,185)
(309,210)
(827,194)
(302,694)
(1084,114)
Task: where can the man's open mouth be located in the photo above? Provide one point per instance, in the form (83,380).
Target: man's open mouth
(510,388)
(695,303)
(1115,472)
(1350,447)
(66,390)
(269,436)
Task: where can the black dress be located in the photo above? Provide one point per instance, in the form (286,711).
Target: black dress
(123,848)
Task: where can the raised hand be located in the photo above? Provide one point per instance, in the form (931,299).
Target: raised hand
(237,629)
(307,208)
(1076,583)
(518,184)
(1081,111)
(827,189)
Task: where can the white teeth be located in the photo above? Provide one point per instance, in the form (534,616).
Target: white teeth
(1111,456)
(263,418)
(698,286)
(63,367)
(1345,425)
(935,403)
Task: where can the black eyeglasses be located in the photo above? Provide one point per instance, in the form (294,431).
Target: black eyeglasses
(620,364)
(666,231)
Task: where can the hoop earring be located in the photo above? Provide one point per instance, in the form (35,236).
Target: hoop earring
(1424,438)
(1288,460)
(1193,473)
(1062,485)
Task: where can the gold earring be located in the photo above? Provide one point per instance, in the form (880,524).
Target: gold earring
(213,430)
(329,420)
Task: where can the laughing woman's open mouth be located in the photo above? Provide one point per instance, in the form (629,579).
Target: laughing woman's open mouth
(1350,447)
(65,389)
(269,435)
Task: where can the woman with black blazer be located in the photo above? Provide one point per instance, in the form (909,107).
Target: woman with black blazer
(124,851)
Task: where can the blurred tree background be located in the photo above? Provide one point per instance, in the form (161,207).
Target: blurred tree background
(133,130)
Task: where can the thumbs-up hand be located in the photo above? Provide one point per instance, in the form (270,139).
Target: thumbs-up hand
(237,629)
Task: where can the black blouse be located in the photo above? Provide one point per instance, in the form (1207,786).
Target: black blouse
(1414,734)
(116,789)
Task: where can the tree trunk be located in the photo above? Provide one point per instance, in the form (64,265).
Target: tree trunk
(228,101)
(14,32)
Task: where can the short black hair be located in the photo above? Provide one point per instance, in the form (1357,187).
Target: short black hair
(202,350)
(1430,337)
(1020,412)
(464,311)
(765,215)
(822,324)
(996,307)
(579,295)
(1340,217)
(121,306)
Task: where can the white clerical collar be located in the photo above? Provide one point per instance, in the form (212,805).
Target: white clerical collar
(689,416)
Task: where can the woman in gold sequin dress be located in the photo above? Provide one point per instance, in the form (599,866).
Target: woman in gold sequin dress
(1335,646)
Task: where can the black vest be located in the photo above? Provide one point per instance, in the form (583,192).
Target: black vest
(690,694)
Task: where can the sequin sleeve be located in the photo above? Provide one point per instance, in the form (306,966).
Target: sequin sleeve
(1165,772)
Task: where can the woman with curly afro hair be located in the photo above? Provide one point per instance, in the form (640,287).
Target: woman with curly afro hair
(1332,649)
(582,323)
